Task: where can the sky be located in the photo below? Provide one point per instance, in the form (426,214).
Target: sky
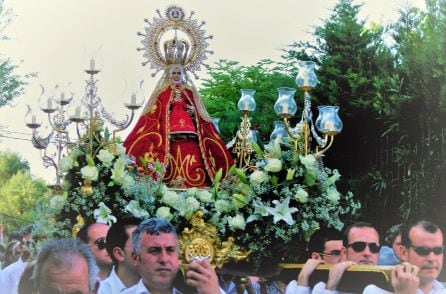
(50,37)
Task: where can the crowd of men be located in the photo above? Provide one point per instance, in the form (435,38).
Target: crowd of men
(134,256)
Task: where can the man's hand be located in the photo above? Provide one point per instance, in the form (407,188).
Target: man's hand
(335,274)
(405,278)
(308,268)
(201,275)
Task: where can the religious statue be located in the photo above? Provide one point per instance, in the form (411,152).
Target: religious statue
(175,128)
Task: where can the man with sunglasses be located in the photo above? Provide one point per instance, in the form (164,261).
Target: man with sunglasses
(422,254)
(94,234)
(119,246)
(325,246)
(360,246)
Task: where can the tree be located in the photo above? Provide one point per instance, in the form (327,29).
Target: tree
(12,85)
(10,164)
(221,93)
(18,199)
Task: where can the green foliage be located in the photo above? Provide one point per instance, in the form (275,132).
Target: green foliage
(10,164)
(221,93)
(18,198)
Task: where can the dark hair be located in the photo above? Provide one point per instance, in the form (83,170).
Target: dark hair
(117,236)
(152,226)
(424,224)
(28,230)
(15,236)
(60,253)
(347,230)
(319,237)
(392,233)
(83,233)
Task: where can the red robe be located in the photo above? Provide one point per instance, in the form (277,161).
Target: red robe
(193,161)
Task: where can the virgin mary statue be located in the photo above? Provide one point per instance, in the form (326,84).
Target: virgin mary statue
(175,128)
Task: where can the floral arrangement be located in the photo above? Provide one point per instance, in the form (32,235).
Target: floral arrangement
(269,209)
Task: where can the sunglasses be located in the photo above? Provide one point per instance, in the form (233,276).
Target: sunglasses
(425,251)
(360,246)
(100,243)
(332,253)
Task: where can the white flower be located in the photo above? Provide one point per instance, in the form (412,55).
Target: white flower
(236,222)
(258,177)
(290,174)
(309,161)
(333,195)
(164,212)
(260,210)
(301,195)
(118,172)
(65,164)
(204,196)
(127,181)
(170,198)
(273,165)
(57,202)
(136,210)
(103,215)
(222,206)
(90,173)
(105,157)
(282,211)
(190,206)
(192,191)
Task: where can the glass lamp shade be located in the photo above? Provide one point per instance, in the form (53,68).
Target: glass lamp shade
(77,112)
(279,131)
(135,99)
(253,136)
(306,79)
(47,104)
(328,122)
(285,105)
(247,102)
(32,119)
(62,98)
(92,62)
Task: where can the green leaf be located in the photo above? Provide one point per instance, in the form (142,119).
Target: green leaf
(257,149)
(274,180)
(241,175)
(310,179)
(90,160)
(241,198)
(111,184)
(218,176)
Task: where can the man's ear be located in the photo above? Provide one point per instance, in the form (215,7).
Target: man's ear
(119,254)
(404,252)
(344,253)
(135,257)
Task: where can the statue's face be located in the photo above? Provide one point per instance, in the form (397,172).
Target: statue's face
(176,74)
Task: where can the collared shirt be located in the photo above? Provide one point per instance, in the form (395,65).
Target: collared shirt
(112,284)
(10,276)
(437,288)
(294,288)
(140,288)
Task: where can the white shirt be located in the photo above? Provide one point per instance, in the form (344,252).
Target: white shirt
(437,288)
(10,276)
(112,284)
(140,288)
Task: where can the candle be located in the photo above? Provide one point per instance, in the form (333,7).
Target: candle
(279,138)
(62,97)
(246,105)
(34,119)
(49,103)
(329,126)
(306,81)
(77,112)
(133,99)
(285,108)
(92,64)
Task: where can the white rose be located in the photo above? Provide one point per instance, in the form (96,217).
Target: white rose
(258,177)
(333,195)
(127,181)
(120,149)
(57,202)
(273,165)
(164,212)
(204,196)
(301,195)
(90,173)
(237,222)
(105,157)
(222,206)
(136,210)
(309,161)
(170,198)
(65,164)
